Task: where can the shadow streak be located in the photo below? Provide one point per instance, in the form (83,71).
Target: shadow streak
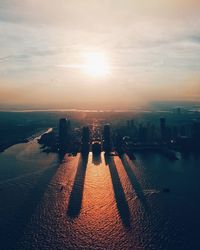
(61,156)
(96,159)
(11,235)
(120,198)
(134,182)
(76,196)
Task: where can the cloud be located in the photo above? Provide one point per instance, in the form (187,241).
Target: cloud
(151,45)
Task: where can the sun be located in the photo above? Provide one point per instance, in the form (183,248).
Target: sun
(96,64)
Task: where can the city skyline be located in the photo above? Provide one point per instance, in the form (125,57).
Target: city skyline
(106,54)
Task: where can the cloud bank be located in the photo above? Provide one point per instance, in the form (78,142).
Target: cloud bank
(153,48)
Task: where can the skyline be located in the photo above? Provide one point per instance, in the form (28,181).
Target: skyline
(151,51)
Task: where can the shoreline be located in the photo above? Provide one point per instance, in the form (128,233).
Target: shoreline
(7,145)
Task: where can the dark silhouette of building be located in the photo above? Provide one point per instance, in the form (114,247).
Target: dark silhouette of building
(85,143)
(142,133)
(85,135)
(64,134)
(196,134)
(119,143)
(96,147)
(106,138)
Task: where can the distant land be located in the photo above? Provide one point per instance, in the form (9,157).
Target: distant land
(18,125)
(163,105)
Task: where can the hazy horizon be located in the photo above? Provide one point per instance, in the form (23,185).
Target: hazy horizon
(98,54)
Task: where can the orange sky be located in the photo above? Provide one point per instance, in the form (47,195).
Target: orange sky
(151,49)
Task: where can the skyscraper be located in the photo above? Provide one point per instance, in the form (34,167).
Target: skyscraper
(85,140)
(64,134)
(196,134)
(106,138)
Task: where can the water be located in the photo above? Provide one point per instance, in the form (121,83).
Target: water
(97,203)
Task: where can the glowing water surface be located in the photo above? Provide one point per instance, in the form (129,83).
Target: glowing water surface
(97,203)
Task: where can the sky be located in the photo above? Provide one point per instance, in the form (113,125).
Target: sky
(150,51)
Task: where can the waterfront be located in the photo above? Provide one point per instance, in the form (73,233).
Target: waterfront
(97,203)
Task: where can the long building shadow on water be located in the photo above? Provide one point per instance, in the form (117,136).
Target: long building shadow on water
(61,156)
(96,159)
(121,202)
(134,182)
(76,196)
(13,231)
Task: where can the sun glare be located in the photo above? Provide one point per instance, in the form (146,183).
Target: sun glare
(96,64)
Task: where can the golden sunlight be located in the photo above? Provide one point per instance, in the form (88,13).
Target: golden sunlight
(96,64)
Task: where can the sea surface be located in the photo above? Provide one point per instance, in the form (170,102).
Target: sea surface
(97,203)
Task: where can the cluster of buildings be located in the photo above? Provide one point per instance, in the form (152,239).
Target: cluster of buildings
(180,135)
(97,137)
(66,139)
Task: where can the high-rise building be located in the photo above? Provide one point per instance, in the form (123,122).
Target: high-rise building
(85,140)
(106,132)
(85,135)
(196,134)
(142,133)
(106,138)
(119,143)
(64,134)
(96,147)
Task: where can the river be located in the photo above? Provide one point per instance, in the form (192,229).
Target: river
(97,203)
